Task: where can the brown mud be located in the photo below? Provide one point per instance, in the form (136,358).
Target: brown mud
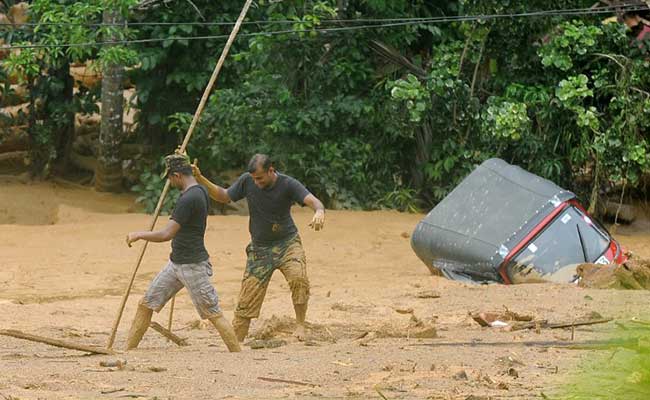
(64,265)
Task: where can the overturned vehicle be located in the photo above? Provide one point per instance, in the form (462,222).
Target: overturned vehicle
(503,224)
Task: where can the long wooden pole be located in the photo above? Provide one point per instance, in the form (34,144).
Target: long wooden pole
(54,342)
(171,314)
(188,135)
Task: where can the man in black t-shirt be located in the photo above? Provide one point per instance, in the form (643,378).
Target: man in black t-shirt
(275,243)
(189,263)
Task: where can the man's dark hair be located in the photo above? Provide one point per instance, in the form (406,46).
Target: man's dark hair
(259,160)
(185,170)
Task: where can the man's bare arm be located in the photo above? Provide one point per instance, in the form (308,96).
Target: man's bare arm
(318,222)
(162,235)
(216,192)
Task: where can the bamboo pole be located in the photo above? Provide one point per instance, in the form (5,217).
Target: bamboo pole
(54,342)
(188,135)
(171,314)
(168,334)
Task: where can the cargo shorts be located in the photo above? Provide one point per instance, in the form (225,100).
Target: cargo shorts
(194,277)
(287,256)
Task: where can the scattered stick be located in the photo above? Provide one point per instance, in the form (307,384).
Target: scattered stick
(331,335)
(55,342)
(380,393)
(262,378)
(583,323)
(361,336)
(545,324)
(171,314)
(168,334)
(573,332)
(111,391)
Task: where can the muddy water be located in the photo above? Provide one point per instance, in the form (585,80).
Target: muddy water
(63,280)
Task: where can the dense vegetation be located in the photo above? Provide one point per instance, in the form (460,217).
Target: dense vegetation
(389,116)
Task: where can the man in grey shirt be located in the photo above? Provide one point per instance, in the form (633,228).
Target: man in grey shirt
(275,243)
(189,263)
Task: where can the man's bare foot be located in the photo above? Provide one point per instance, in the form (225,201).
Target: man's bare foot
(300,333)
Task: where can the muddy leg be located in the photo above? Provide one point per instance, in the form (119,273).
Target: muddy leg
(240,326)
(301,313)
(139,327)
(294,269)
(227,333)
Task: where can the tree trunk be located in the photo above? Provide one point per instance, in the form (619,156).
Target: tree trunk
(65,135)
(108,175)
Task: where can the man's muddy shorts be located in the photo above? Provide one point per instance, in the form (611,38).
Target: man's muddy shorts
(195,277)
(262,261)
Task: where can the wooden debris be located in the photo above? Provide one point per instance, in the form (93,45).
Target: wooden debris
(168,334)
(545,324)
(499,319)
(380,393)
(15,156)
(428,294)
(266,344)
(262,378)
(111,391)
(55,342)
(583,323)
(361,336)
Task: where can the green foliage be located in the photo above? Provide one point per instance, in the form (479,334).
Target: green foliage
(414,94)
(382,117)
(402,200)
(619,370)
(45,70)
(575,40)
(507,120)
(149,190)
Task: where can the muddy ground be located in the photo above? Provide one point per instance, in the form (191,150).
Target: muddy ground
(64,266)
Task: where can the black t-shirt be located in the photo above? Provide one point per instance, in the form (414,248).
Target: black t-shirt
(270,216)
(191,213)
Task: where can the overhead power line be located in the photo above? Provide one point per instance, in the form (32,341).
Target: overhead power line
(581,11)
(421,21)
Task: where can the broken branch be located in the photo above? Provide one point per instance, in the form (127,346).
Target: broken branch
(54,342)
(168,334)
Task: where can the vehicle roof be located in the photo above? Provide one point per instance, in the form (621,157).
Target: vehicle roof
(473,229)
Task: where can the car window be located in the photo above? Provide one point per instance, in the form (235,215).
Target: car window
(559,244)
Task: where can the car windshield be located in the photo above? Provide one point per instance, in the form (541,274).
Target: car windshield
(572,238)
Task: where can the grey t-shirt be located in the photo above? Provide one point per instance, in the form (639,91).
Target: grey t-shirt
(270,208)
(191,213)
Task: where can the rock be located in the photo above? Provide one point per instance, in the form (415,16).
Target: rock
(461,376)
(425,333)
(513,372)
(120,364)
(428,294)
(633,274)
(266,344)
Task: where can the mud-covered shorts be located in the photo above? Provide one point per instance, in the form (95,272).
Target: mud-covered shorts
(195,277)
(287,256)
